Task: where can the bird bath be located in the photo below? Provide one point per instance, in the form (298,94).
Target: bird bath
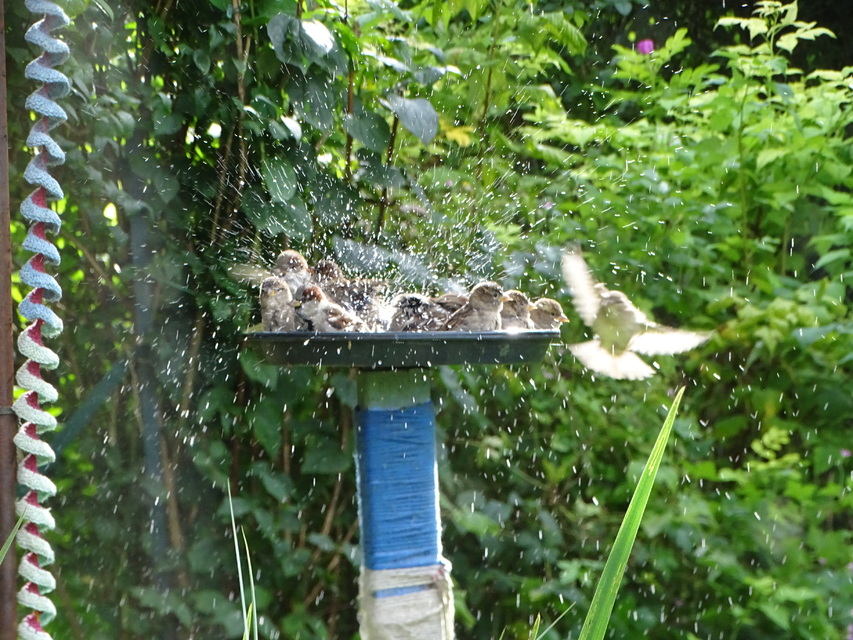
(405,587)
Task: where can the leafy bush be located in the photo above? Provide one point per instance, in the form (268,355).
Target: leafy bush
(427,141)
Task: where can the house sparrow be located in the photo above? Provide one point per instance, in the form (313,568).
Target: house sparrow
(515,313)
(414,312)
(450,302)
(321,314)
(482,312)
(547,314)
(277,311)
(621,330)
(361,296)
(292,266)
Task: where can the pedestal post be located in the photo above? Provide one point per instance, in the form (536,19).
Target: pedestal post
(405,586)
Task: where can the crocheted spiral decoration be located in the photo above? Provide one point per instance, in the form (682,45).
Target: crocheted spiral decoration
(45,323)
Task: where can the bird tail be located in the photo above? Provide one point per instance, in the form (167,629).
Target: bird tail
(621,366)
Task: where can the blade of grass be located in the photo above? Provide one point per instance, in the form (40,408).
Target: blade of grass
(239,563)
(553,624)
(253,611)
(246,629)
(534,632)
(6,545)
(595,625)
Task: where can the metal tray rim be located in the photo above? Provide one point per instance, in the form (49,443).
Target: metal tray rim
(400,336)
(401,349)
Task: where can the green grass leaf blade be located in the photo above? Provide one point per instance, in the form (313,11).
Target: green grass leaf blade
(534,633)
(8,544)
(595,625)
(253,611)
(239,562)
(246,631)
(552,625)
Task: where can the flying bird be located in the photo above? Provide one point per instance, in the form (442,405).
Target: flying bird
(621,329)
(251,274)
(277,311)
(321,314)
(547,314)
(482,312)
(515,313)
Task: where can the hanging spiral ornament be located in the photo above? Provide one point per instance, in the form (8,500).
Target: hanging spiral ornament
(45,323)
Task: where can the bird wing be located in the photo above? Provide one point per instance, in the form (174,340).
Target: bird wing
(248,273)
(582,283)
(458,318)
(621,366)
(450,302)
(666,341)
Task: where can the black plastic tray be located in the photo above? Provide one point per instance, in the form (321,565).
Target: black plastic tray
(396,350)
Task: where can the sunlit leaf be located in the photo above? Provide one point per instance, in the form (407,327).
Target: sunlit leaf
(319,35)
(459,135)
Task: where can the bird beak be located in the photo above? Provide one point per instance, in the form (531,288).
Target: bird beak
(505,298)
(563,319)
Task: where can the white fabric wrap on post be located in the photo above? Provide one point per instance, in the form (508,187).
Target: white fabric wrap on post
(423,615)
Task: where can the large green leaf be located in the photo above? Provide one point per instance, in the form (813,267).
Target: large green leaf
(279,179)
(416,115)
(375,172)
(303,42)
(370,129)
(315,99)
(326,457)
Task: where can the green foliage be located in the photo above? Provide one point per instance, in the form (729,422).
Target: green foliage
(463,140)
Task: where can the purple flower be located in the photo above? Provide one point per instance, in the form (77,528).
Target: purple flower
(845,453)
(646,46)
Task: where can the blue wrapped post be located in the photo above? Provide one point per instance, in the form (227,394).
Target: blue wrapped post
(405,587)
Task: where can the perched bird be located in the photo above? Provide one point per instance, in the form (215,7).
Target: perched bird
(277,311)
(321,314)
(621,330)
(547,314)
(293,267)
(515,313)
(414,312)
(482,312)
(361,296)
(450,302)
